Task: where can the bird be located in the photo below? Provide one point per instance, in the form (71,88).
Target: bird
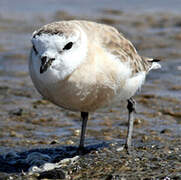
(83,66)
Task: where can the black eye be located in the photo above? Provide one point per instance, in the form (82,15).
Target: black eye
(68,46)
(36,52)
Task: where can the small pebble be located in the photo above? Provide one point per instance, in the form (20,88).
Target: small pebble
(138,121)
(69,142)
(120,149)
(76,132)
(54,142)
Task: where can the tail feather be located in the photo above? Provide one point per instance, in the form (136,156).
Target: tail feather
(155,60)
(153,63)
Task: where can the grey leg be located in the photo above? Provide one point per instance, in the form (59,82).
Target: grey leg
(84,116)
(131,110)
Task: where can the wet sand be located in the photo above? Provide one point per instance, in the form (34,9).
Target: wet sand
(34,132)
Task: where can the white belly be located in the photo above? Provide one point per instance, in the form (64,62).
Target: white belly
(87,97)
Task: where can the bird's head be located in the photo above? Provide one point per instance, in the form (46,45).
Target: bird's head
(59,47)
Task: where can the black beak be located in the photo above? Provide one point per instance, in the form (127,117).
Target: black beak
(45,64)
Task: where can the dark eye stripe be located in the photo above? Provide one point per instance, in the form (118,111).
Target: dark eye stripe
(68,46)
(36,52)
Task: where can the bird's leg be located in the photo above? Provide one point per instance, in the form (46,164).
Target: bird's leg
(131,109)
(84,116)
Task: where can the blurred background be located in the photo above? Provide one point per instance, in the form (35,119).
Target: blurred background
(27,121)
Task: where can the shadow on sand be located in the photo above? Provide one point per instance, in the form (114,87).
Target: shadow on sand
(17,162)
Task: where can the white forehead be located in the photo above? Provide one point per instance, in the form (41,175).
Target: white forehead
(55,40)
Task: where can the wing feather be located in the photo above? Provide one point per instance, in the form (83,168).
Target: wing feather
(115,43)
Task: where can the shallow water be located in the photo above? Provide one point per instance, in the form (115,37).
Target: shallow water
(27,122)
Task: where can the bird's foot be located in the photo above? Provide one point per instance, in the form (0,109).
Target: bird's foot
(81,150)
(128,149)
